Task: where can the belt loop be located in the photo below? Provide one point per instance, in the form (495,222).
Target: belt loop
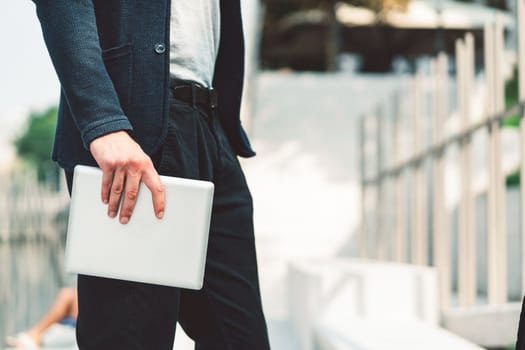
(193,96)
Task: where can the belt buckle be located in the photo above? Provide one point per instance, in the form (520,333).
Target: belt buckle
(213,98)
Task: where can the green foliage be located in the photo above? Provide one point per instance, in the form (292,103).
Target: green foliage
(511,89)
(512,122)
(34,145)
(511,98)
(513,179)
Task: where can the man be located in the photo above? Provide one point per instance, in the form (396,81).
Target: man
(520,339)
(137,100)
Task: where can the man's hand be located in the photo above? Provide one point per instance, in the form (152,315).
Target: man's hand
(124,165)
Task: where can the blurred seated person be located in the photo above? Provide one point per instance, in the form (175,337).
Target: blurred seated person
(55,328)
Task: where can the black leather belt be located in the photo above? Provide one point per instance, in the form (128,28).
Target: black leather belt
(194,94)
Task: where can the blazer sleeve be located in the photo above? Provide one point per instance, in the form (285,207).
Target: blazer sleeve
(70,33)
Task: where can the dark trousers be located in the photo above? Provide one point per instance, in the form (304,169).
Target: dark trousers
(520,342)
(227,312)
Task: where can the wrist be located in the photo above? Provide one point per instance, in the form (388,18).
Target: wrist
(109,136)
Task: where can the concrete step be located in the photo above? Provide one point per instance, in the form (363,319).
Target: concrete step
(339,290)
(345,304)
(499,323)
(361,334)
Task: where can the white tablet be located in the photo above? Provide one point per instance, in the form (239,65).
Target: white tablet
(170,252)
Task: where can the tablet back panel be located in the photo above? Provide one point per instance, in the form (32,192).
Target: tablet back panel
(171,251)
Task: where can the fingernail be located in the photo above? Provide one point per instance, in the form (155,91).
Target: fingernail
(160,215)
(124,220)
(105,201)
(112,214)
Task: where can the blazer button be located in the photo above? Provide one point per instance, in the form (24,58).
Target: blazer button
(160,48)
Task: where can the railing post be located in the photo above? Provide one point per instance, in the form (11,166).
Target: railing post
(470,72)
(461,236)
(500,177)
(4,221)
(363,244)
(381,187)
(399,251)
(441,237)
(497,264)
(521,94)
(466,233)
(419,207)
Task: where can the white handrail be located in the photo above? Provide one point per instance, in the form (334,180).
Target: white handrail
(383,238)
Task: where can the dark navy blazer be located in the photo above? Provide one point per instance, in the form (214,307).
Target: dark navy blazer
(112,60)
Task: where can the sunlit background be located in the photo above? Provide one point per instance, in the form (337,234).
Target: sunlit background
(386,185)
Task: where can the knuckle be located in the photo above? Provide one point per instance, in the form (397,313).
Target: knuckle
(117,189)
(136,166)
(110,164)
(134,161)
(119,163)
(133,172)
(132,194)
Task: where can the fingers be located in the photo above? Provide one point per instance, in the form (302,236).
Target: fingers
(120,187)
(129,198)
(124,165)
(107,181)
(152,180)
(117,187)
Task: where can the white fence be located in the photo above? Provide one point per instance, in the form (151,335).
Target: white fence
(409,169)
(29,210)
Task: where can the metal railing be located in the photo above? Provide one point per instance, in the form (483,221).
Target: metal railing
(405,216)
(30,210)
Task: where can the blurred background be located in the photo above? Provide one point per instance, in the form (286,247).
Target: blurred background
(387,181)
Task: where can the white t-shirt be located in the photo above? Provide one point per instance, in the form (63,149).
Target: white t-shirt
(194,39)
